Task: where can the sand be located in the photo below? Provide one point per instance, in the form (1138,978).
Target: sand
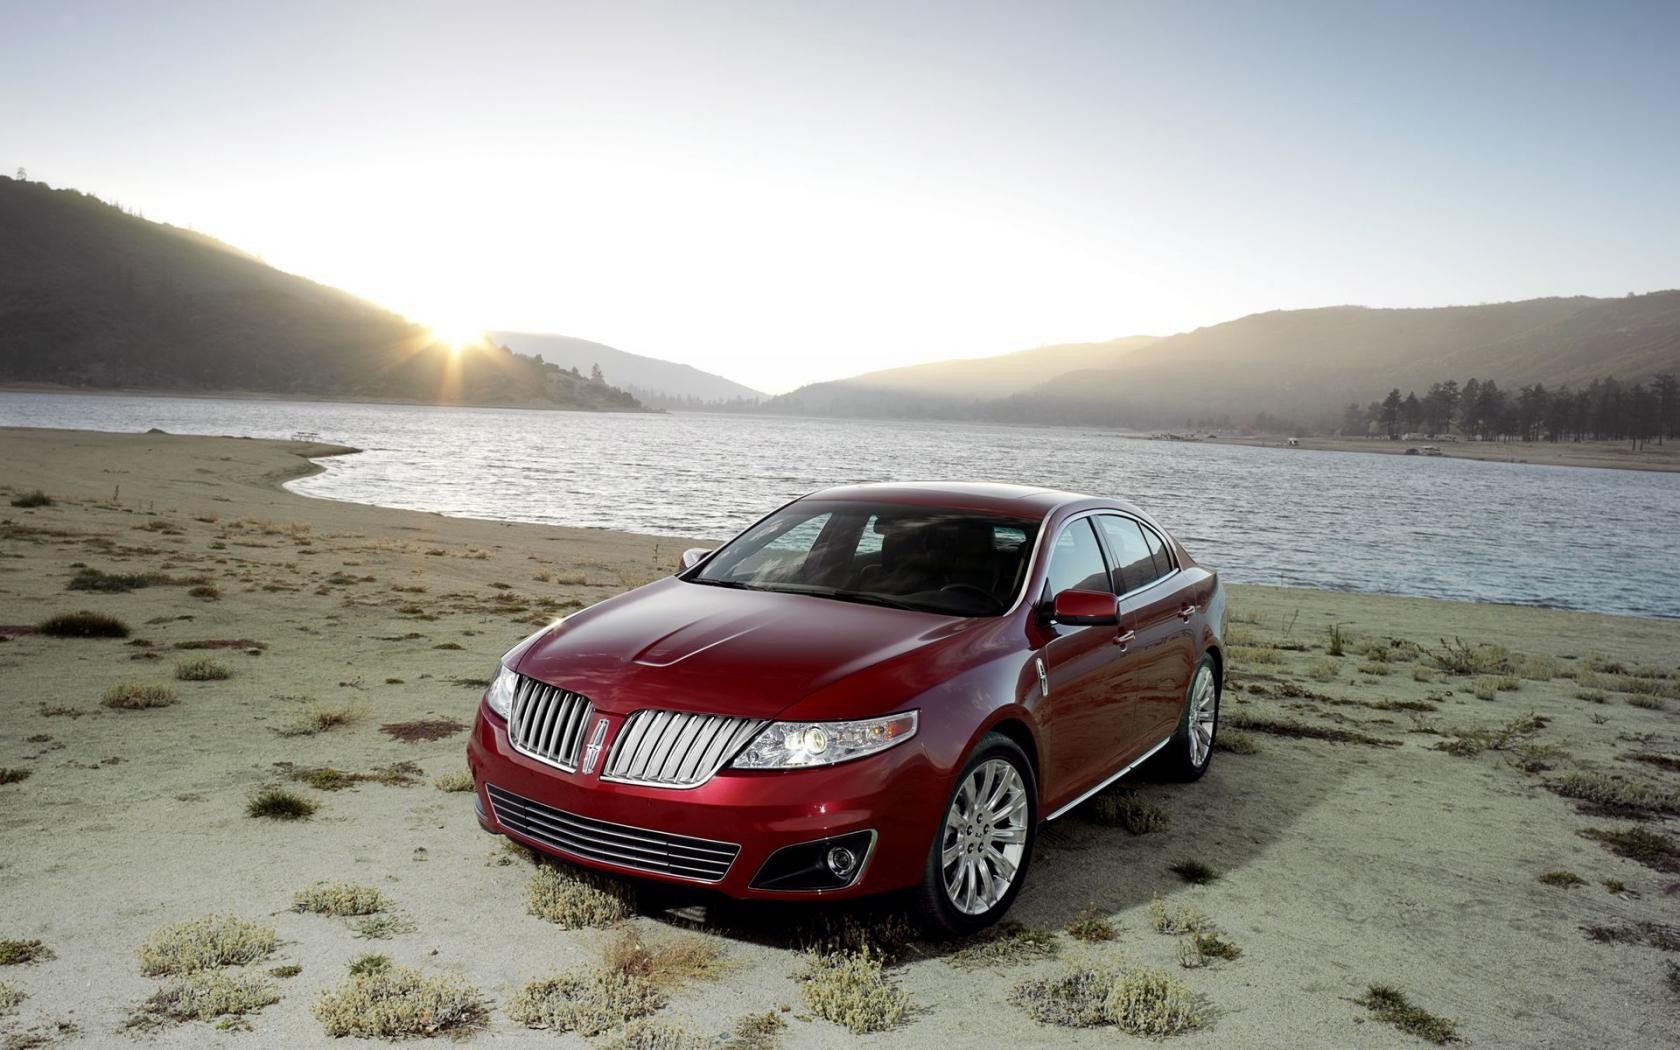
(1616,455)
(1341,864)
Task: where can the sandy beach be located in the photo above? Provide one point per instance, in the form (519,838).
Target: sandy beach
(1613,455)
(1390,823)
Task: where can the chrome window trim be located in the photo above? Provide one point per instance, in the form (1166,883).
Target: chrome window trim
(1140,523)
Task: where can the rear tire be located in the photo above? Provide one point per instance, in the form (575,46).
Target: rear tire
(1187,755)
(982,847)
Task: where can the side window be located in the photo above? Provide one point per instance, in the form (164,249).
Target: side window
(1076,561)
(1135,564)
(1158,548)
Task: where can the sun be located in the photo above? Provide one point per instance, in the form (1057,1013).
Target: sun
(455,335)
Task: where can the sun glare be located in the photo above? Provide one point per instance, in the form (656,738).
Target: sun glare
(455,336)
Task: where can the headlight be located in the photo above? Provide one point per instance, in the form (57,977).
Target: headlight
(787,745)
(500,694)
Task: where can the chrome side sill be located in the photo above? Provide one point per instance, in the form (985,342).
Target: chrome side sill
(1141,759)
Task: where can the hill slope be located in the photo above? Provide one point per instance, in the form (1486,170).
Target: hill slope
(1306,364)
(649,377)
(956,387)
(91,296)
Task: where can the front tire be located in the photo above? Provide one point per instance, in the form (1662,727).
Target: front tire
(1187,756)
(983,845)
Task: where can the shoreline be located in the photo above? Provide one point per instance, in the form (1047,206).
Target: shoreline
(1351,849)
(307,399)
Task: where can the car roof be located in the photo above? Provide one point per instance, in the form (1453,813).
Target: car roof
(990,496)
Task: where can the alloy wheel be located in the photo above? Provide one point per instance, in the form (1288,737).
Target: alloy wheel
(1204,709)
(985,837)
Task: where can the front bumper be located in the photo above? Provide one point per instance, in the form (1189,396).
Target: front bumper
(897,794)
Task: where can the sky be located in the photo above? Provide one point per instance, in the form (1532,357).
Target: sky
(789,192)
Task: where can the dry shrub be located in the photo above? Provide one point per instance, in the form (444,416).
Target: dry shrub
(84,624)
(137,696)
(642,1034)
(10,997)
(1177,920)
(1135,999)
(586,1001)
(664,963)
(205,995)
(1202,947)
(205,944)
(454,780)
(279,804)
(851,989)
(340,898)
(9,775)
(400,1002)
(382,926)
(1289,727)
(572,900)
(201,669)
(1563,879)
(1614,795)
(1650,848)
(322,718)
(1090,927)
(756,1032)
(1236,742)
(16,953)
(1007,943)
(423,730)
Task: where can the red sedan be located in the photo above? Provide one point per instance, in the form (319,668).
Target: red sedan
(877,687)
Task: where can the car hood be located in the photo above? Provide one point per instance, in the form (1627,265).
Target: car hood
(693,647)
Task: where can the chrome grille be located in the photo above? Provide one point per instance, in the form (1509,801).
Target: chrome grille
(598,840)
(547,723)
(675,748)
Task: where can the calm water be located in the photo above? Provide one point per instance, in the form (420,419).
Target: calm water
(1579,538)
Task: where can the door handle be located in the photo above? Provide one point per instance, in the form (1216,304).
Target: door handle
(1187,612)
(1124,639)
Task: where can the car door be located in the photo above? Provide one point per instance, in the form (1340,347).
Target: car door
(1154,602)
(1085,712)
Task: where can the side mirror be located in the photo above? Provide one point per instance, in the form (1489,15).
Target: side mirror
(691,557)
(1078,608)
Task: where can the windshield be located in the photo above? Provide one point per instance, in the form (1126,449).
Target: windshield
(955,562)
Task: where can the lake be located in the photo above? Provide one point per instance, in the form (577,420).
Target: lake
(1570,537)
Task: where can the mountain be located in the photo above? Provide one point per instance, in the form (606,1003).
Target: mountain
(666,384)
(91,296)
(1307,364)
(952,388)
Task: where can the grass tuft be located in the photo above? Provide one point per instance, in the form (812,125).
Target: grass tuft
(1650,848)
(1468,743)
(1614,795)
(1124,809)
(383,926)
(851,989)
(1459,657)
(1137,1000)
(9,775)
(10,997)
(321,718)
(137,696)
(400,1002)
(1391,1005)
(363,965)
(756,1032)
(279,804)
(1650,934)
(1563,879)
(585,1001)
(1090,927)
(17,953)
(1289,727)
(1194,872)
(340,898)
(205,944)
(664,963)
(32,499)
(454,780)
(83,624)
(201,669)
(1182,919)
(643,1034)
(1006,944)
(1202,947)
(1236,742)
(572,900)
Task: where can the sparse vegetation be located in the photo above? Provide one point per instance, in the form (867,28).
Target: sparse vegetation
(1649,703)
(17,953)
(1235,741)
(454,780)
(1323,669)
(136,696)
(1671,763)
(28,500)
(585,1001)
(84,624)
(382,926)
(1650,934)
(1194,871)
(1256,654)
(1125,809)
(646,1034)
(1458,657)
(1177,920)
(10,997)
(1650,848)
(340,899)
(1140,1001)
(1008,943)
(1204,946)
(1612,794)
(279,804)
(400,1002)
(666,962)
(1563,879)
(1289,727)
(1338,643)
(1091,927)
(1468,743)
(851,989)
(422,730)
(319,718)
(1391,1005)
(206,591)
(201,669)
(205,944)
(9,775)
(205,995)
(286,971)
(756,1032)
(574,900)
(362,965)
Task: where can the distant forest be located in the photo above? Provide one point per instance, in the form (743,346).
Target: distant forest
(1606,409)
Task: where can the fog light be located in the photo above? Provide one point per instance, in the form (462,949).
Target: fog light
(842,862)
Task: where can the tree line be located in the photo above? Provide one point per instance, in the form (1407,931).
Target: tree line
(1607,409)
